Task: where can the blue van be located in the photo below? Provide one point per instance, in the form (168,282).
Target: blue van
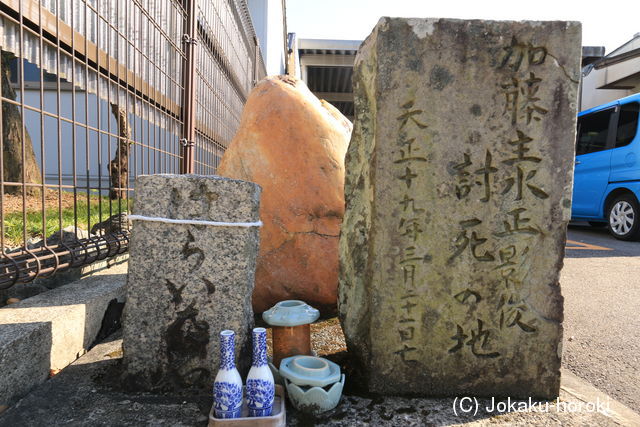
(606,186)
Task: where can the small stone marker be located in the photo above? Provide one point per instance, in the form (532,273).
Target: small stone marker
(458,194)
(188,282)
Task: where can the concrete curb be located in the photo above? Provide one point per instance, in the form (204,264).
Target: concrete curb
(41,335)
(24,357)
(584,391)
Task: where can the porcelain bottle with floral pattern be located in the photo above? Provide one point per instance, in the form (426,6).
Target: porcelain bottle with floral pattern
(260,385)
(227,387)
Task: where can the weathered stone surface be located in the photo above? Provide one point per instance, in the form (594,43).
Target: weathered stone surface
(25,355)
(293,145)
(458,192)
(188,282)
(44,334)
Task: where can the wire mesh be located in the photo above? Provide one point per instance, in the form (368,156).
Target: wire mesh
(97,92)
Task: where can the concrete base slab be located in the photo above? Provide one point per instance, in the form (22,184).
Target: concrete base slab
(41,335)
(90,392)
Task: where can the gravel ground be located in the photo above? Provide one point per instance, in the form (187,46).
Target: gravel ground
(326,337)
(399,411)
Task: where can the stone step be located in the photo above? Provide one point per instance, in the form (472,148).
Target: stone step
(41,335)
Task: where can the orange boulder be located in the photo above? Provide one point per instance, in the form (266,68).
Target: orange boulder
(293,146)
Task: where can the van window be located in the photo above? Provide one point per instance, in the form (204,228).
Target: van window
(627,124)
(592,132)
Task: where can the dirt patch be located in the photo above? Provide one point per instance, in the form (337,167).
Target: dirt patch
(11,203)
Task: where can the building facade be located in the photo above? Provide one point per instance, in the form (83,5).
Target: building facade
(611,77)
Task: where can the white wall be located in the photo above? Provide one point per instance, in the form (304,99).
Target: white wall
(269,21)
(621,73)
(258,12)
(591,96)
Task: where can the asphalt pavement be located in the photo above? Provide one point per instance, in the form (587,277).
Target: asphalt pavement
(601,286)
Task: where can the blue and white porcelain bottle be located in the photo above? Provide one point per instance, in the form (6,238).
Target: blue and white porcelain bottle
(227,387)
(260,384)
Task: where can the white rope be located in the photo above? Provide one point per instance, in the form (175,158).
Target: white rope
(195,221)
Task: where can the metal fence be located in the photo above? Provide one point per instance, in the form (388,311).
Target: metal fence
(96,92)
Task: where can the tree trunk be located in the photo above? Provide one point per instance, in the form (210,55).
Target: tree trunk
(13,161)
(119,166)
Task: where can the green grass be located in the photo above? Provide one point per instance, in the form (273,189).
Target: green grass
(87,213)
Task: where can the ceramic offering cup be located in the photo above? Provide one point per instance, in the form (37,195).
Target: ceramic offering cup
(291,313)
(314,384)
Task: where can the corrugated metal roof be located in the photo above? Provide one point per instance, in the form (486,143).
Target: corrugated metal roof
(326,52)
(332,81)
(345,108)
(323,44)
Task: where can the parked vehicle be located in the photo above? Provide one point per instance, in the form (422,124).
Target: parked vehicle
(606,186)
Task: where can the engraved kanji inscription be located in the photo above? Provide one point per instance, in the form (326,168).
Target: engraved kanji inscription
(486,172)
(478,341)
(517,224)
(464,241)
(409,115)
(518,53)
(463,187)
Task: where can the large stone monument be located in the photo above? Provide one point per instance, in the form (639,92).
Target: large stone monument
(190,277)
(458,190)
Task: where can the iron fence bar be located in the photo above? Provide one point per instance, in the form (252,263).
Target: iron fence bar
(30,264)
(74,132)
(109,135)
(189,70)
(86,116)
(42,151)
(256,58)
(127,109)
(2,199)
(98,119)
(58,113)
(147,62)
(22,127)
